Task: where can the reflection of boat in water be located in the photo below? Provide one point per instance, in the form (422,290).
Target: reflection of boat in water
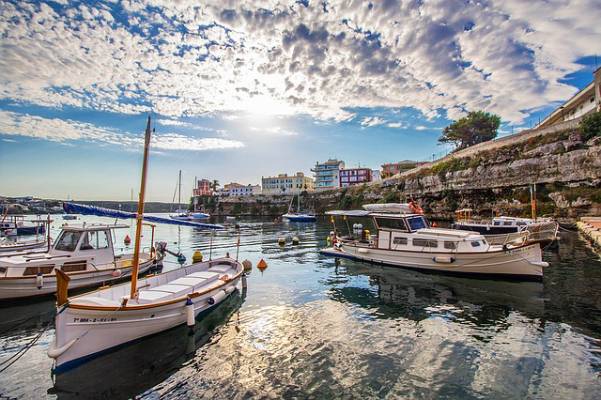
(133,369)
(417,295)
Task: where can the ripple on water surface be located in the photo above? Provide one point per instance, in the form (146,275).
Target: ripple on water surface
(311,326)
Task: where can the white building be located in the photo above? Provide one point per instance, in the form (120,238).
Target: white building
(287,184)
(327,174)
(375,175)
(236,189)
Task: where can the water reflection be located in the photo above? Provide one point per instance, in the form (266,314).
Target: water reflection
(395,292)
(133,369)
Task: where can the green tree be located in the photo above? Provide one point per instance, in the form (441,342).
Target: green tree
(476,127)
(214,185)
(590,125)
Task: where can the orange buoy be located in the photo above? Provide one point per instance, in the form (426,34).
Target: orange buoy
(262,265)
(434,224)
(127,240)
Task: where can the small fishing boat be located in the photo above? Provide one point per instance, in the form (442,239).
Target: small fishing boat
(298,216)
(407,240)
(13,245)
(18,225)
(185,215)
(91,324)
(83,252)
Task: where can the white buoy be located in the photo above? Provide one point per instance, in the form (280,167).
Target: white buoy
(190,318)
(116,273)
(39,281)
(295,240)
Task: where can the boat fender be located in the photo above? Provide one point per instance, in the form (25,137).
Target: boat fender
(222,294)
(444,259)
(244,281)
(117,273)
(329,241)
(295,240)
(181,258)
(282,241)
(54,352)
(39,280)
(190,318)
(197,257)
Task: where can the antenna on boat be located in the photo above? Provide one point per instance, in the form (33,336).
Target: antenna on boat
(140,213)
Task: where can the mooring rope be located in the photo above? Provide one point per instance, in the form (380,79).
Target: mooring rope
(17,356)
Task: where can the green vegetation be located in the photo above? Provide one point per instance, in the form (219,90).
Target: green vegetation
(590,126)
(476,127)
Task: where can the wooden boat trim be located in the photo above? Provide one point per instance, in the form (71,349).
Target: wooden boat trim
(151,259)
(439,252)
(148,306)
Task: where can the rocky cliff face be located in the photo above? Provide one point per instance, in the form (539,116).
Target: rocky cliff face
(496,179)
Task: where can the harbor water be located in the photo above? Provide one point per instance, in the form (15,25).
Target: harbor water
(309,326)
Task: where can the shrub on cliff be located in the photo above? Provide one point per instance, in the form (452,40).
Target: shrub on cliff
(590,126)
(476,127)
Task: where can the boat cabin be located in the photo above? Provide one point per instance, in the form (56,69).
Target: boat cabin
(89,239)
(412,232)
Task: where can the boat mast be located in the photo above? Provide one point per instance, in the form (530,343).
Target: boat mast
(179,193)
(140,214)
(533,200)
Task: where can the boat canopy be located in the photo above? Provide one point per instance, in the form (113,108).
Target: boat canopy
(93,227)
(349,213)
(74,208)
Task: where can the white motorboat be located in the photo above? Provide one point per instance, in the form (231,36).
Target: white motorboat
(406,240)
(14,245)
(19,225)
(504,229)
(84,252)
(93,323)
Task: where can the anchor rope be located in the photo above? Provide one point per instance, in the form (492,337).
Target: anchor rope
(17,356)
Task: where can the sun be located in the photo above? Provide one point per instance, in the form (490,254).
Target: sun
(264,107)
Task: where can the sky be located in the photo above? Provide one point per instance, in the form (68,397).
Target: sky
(238,90)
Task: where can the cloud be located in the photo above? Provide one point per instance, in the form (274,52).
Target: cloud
(396,125)
(68,131)
(372,121)
(274,130)
(178,59)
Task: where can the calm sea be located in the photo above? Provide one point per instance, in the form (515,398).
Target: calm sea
(314,327)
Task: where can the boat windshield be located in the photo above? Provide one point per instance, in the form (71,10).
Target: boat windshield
(416,223)
(67,241)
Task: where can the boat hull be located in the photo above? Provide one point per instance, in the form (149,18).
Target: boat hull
(300,218)
(520,262)
(23,287)
(83,333)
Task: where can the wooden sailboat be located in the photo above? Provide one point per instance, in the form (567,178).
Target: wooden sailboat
(96,322)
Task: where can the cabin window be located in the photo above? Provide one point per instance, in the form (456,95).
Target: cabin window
(67,241)
(507,223)
(416,223)
(42,269)
(475,243)
(521,223)
(450,245)
(399,240)
(425,243)
(94,240)
(497,223)
(74,266)
(391,223)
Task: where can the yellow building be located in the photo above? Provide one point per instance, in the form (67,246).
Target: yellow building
(287,184)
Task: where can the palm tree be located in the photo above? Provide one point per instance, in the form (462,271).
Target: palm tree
(214,185)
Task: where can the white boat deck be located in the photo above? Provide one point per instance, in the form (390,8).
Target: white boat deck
(163,287)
